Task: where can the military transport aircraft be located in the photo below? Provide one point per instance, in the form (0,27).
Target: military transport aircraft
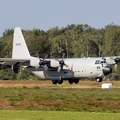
(57,70)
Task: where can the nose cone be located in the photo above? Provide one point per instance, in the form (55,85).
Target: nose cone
(107,70)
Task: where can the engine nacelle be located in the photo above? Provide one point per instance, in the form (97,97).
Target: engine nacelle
(110,61)
(34,62)
(54,63)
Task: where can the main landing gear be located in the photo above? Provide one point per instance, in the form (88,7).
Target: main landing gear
(57,81)
(61,81)
(73,81)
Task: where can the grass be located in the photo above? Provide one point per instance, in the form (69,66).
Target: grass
(60,99)
(22,102)
(55,115)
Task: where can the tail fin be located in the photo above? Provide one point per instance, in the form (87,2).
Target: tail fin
(20,49)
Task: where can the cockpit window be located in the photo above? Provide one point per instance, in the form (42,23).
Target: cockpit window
(97,62)
(103,62)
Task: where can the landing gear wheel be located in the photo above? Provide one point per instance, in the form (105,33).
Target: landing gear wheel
(60,81)
(70,81)
(76,81)
(54,81)
(99,79)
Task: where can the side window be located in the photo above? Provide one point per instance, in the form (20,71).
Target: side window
(98,67)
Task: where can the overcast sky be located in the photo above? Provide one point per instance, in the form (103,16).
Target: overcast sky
(46,14)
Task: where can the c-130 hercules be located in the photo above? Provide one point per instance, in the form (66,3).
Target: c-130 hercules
(57,70)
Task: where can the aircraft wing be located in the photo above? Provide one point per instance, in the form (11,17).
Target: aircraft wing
(11,61)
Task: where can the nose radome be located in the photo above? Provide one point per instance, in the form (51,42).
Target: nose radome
(107,70)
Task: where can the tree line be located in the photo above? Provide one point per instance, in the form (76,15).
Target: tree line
(75,41)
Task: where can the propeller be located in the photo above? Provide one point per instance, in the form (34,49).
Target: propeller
(112,61)
(117,60)
(62,63)
(42,61)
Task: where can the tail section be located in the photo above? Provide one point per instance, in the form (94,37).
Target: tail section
(20,49)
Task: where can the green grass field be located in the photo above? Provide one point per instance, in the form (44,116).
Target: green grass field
(59,102)
(55,115)
(60,99)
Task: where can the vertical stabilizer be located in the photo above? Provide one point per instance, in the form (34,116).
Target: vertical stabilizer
(20,49)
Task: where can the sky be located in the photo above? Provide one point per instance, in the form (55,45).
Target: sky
(46,14)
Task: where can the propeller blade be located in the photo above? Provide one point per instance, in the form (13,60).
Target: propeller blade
(59,69)
(42,60)
(115,66)
(63,55)
(45,67)
(67,66)
(61,63)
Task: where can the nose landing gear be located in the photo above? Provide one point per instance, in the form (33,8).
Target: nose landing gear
(99,79)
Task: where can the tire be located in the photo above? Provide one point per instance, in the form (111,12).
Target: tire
(99,79)
(70,81)
(76,81)
(54,81)
(60,81)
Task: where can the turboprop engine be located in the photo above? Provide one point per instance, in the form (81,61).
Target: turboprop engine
(54,63)
(35,62)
